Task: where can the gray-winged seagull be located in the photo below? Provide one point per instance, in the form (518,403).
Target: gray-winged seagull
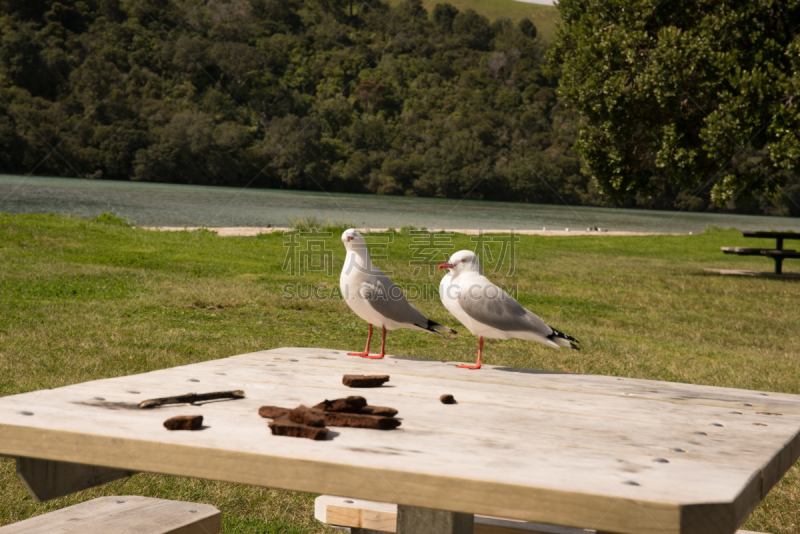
(375,298)
(488,311)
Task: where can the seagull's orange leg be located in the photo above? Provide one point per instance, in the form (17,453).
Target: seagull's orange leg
(480,352)
(383,347)
(366,350)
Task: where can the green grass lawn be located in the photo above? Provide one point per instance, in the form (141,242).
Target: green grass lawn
(84,300)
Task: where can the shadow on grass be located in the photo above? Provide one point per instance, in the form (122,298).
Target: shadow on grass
(237,525)
(745,274)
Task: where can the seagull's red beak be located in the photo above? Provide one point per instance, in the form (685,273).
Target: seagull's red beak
(446,266)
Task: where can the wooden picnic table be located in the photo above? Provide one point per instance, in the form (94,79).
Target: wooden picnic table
(613,454)
(778,253)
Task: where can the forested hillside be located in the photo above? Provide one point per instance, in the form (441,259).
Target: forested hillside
(302,94)
(340,95)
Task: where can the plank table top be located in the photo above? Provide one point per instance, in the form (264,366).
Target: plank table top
(607,453)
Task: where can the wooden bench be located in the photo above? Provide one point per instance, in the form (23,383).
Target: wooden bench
(125,514)
(370,517)
(778,253)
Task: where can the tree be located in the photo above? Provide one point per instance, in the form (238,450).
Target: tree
(474,29)
(443,15)
(685,93)
(296,149)
(192,148)
(527,27)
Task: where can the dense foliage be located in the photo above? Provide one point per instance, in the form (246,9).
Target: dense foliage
(363,96)
(305,94)
(687,96)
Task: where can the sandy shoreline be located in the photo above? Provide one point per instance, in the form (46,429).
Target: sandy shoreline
(250,231)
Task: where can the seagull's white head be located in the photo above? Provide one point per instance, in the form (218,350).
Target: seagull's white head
(461,261)
(353,240)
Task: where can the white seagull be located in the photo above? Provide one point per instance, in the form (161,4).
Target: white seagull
(375,298)
(488,311)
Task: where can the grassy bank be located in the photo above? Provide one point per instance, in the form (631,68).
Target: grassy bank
(543,17)
(84,300)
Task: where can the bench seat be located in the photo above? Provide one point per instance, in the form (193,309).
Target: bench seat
(775,254)
(124,515)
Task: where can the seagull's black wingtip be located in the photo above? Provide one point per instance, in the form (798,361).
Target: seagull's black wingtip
(560,338)
(437,328)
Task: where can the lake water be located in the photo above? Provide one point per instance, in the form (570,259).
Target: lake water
(149,204)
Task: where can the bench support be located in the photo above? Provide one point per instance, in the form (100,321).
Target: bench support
(413,520)
(359,516)
(47,479)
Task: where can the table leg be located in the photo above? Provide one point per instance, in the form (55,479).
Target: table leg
(47,479)
(413,520)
